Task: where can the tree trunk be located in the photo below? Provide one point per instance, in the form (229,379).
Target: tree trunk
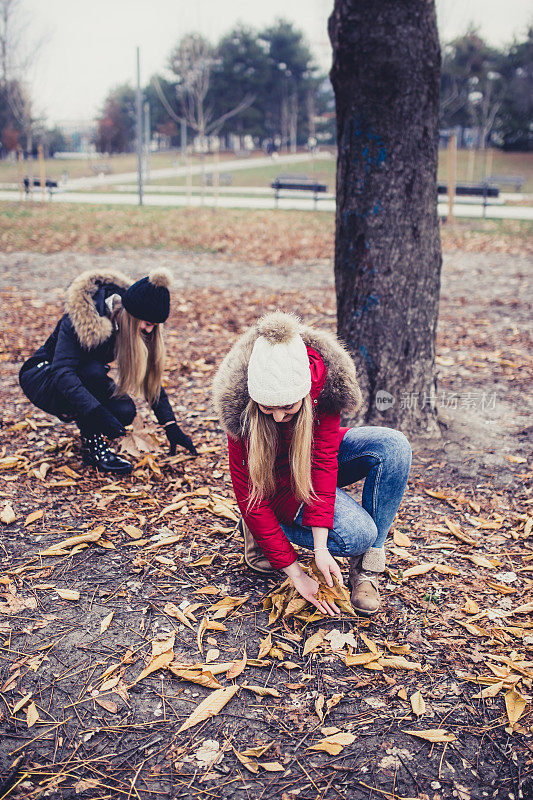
(386,68)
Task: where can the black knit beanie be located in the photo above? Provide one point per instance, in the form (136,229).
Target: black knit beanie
(149,298)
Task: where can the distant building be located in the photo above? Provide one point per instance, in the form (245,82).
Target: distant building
(79,135)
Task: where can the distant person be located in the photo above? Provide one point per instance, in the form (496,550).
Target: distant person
(279,394)
(107,318)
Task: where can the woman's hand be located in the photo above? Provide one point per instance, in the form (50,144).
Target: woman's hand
(177,437)
(328,566)
(307,587)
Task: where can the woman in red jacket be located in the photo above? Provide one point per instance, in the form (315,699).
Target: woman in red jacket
(279,394)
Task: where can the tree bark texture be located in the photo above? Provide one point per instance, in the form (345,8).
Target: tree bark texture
(385,73)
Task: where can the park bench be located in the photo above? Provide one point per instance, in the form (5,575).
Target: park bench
(101,169)
(49,184)
(297,183)
(484,190)
(508,180)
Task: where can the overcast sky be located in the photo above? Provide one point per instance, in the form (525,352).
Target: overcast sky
(88,46)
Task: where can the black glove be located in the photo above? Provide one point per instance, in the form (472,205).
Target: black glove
(176,437)
(100,420)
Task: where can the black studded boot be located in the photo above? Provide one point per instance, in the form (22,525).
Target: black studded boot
(96,453)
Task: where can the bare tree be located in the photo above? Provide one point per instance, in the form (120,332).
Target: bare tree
(192,62)
(16,59)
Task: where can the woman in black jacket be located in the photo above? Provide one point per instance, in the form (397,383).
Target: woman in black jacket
(107,318)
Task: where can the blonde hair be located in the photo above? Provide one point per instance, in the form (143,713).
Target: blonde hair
(261,432)
(140,358)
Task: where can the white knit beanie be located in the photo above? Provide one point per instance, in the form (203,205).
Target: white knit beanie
(278,370)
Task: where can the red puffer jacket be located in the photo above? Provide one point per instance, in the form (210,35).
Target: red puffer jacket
(264,517)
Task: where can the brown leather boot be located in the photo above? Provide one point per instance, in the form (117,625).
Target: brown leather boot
(364,588)
(253,555)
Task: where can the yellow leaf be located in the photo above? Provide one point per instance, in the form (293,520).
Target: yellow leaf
(514,705)
(107,704)
(481,561)
(314,641)
(527,608)
(173,611)
(132,531)
(201,677)
(490,691)
(236,668)
(470,607)
(435,735)
(399,662)
(264,646)
(262,691)
(257,752)
(210,707)
(457,532)
(62,548)
(444,569)
(212,654)
(21,703)
(401,539)
(272,766)
(33,517)
(516,459)
(159,662)
(402,694)
(8,515)
(334,744)
(202,627)
(32,715)
(163,645)
(248,763)
(68,594)
(204,561)
(418,704)
(360,658)
(106,622)
(319,707)
(162,543)
(398,649)
(289,665)
(372,646)
(420,569)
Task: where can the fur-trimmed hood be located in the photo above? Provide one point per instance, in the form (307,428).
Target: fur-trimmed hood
(340,393)
(92,328)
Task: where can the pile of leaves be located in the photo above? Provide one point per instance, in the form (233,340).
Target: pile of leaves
(141,658)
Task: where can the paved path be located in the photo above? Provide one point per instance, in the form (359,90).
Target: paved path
(285,203)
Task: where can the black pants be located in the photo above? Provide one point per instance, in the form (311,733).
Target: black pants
(38,386)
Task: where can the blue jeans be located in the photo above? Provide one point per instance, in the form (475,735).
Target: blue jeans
(382,456)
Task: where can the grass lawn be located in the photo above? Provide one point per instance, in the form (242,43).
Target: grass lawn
(468,167)
(247,236)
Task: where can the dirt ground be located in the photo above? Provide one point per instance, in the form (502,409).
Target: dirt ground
(78,720)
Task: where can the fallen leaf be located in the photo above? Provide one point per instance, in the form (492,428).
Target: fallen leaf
(106,622)
(68,594)
(257,752)
(173,611)
(199,676)
(514,705)
(420,569)
(418,704)
(32,715)
(265,646)
(470,607)
(21,703)
(33,517)
(313,642)
(212,654)
(272,766)
(8,515)
(210,707)
(436,735)
(457,532)
(334,744)
(159,662)
(132,531)
(262,691)
(62,548)
(401,539)
(236,668)
(204,561)
(251,765)
(489,691)
(107,704)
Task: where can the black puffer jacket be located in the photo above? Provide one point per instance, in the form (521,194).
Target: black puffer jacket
(85,334)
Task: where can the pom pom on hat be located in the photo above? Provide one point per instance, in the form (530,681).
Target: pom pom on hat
(161,277)
(278,370)
(149,298)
